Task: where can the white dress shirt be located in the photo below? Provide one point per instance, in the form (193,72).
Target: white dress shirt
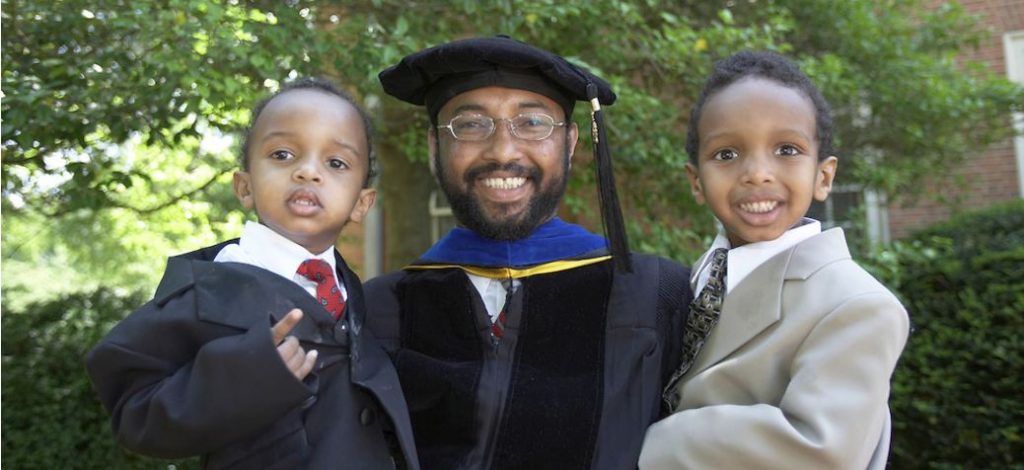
(745,259)
(492,292)
(262,247)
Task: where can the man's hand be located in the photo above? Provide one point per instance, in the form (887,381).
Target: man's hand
(298,361)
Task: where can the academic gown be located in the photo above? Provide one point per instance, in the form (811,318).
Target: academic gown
(195,372)
(576,377)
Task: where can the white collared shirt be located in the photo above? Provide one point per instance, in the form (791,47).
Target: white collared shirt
(745,259)
(492,292)
(262,247)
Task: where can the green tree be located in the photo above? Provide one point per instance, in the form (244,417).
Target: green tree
(115,111)
(83,77)
(111,116)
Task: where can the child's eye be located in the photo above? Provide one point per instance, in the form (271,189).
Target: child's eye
(788,150)
(725,155)
(282,155)
(337,163)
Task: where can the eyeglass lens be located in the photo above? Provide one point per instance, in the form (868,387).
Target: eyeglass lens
(523,126)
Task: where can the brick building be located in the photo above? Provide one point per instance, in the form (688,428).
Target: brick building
(997,174)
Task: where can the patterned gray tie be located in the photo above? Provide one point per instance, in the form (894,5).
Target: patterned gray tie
(704,312)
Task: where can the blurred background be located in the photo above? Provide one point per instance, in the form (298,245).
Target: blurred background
(120,133)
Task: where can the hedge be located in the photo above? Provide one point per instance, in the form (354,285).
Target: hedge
(51,416)
(957,400)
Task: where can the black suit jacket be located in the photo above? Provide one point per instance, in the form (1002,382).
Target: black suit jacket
(195,372)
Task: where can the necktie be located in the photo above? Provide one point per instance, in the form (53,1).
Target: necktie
(704,312)
(327,292)
(498,326)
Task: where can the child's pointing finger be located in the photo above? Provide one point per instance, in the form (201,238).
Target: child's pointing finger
(280,330)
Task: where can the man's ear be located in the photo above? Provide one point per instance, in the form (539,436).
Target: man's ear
(826,174)
(572,137)
(695,187)
(363,204)
(242,184)
(432,146)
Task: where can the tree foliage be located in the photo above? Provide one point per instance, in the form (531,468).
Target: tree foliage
(83,77)
(115,112)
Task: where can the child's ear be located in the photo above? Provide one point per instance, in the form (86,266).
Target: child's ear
(823,180)
(363,204)
(695,187)
(243,188)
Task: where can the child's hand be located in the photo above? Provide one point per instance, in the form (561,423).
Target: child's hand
(298,361)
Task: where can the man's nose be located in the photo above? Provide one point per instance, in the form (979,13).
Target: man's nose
(503,146)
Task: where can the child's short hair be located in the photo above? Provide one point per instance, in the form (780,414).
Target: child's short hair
(327,86)
(771,66)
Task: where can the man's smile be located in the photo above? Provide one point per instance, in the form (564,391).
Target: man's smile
(504,183)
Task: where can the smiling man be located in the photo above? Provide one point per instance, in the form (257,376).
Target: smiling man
(501,188)
(523,341)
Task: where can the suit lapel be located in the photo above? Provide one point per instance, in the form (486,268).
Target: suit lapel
(371,367)
(816,252)
(756,302)
(355,305)
(739,321)
(240,295)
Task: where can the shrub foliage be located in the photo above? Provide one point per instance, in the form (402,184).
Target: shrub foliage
(956,398)
(52,418)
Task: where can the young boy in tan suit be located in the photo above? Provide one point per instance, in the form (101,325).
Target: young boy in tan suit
(791,344)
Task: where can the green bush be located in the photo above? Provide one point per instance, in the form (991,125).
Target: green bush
(956,397)
(51,416)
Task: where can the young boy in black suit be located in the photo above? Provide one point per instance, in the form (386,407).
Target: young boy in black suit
(259,359)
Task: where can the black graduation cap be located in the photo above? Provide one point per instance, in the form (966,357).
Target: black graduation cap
(433,76)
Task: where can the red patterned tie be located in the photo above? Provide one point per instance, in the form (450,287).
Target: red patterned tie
(498,326)
(327,292)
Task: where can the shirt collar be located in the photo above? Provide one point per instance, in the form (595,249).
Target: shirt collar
(276,253)
(745,259)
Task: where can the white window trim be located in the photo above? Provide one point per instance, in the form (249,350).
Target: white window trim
(877,212)
(438,208)
(1013,52)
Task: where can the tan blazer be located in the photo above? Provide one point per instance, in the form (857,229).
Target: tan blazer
(796,373)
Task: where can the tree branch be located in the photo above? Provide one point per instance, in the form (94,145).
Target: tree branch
(169,202)
(37,159)
(149,210)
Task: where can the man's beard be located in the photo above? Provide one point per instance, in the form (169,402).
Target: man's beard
(470,213)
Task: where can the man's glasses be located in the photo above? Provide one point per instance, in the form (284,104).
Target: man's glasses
(475,127)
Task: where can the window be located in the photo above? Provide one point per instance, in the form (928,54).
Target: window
(441,218)
(861,213)
(1013,49)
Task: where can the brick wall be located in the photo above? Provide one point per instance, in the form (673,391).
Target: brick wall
(990,177)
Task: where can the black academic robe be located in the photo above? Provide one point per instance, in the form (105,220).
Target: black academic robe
(195,372)
(574,382)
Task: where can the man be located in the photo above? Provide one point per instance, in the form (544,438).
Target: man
(522,341)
